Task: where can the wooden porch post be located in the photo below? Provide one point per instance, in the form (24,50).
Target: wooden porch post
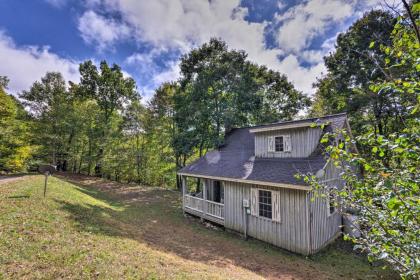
(204,197)
(184,190)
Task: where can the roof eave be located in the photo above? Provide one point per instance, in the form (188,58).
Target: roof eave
(280,127)
(246,181)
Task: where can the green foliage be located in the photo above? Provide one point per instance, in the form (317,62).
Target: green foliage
(49,104)
(160,132)
(385,195)
(220,89)
(356,64)
(15,148)
(386,199)
(279,98)
(108,86)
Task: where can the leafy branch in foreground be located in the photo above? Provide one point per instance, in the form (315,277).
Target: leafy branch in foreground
(382,182)
(384,195)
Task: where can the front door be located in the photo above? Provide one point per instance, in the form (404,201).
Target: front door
(218,191)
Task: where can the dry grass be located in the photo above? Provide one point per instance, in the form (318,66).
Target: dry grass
(89,228)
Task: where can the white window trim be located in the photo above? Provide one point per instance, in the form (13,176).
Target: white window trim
(277,136)
(273,192)
(284,144)
(258,201)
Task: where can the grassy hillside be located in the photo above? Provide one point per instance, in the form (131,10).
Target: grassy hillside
(88,228)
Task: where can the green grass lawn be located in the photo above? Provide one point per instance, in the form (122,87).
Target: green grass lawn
(87,228)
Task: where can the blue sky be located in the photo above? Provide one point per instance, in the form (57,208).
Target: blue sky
(147,38)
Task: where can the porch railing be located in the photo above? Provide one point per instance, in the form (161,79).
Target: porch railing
(205,207)
(193,202)
(215,209)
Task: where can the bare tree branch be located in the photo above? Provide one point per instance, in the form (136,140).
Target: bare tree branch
(393,7)
(413,21)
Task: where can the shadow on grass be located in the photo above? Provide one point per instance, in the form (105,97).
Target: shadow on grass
(18,196)
(154,216)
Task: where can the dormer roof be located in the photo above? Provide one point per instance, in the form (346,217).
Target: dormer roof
(335,121)
(235,161)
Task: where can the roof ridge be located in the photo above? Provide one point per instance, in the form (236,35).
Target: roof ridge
(292,121)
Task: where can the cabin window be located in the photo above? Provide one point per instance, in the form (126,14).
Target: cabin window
(279,144)
(331,204)
(265,204)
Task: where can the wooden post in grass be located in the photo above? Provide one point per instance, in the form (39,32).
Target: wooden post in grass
(46,180)
(47,170)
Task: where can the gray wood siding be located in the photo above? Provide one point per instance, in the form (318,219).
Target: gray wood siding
(292,233)
(303,141)
(324,227)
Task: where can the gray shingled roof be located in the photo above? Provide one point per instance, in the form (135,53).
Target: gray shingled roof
(236,160)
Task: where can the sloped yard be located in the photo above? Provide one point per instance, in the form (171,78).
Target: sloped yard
(89,228)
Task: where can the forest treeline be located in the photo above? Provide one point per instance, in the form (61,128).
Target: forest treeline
(100,126)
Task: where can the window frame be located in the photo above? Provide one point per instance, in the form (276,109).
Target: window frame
(282,143)
(286,141)
(266,204)
(330,197)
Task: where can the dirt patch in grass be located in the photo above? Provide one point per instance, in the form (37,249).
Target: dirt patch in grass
(10,179)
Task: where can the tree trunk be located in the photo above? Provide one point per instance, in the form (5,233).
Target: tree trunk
(89,157)
(138,157)
(179,183)
(197,187)
(413,21)
(74,168)
(80,165)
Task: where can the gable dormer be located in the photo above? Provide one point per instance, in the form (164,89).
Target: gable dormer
(294,139)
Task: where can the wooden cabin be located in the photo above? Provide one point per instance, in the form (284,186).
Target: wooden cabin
(249,185)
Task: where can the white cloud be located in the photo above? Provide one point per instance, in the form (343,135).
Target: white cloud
(281,4)
(302,77)
(183,24)
(179,25)
(146,66)
(302,23)
(329,44)
(144,58)
(312,56)
(171,74)
(25,65)
(100,31)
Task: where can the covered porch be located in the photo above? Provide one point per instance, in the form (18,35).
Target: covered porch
(203,198)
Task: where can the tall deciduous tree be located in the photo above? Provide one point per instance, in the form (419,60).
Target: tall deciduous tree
(385,198)
(49,103)
(110,89)
(280,99)
(220,89)
(15,147)
(107,86)
(352,67)
(160,132)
